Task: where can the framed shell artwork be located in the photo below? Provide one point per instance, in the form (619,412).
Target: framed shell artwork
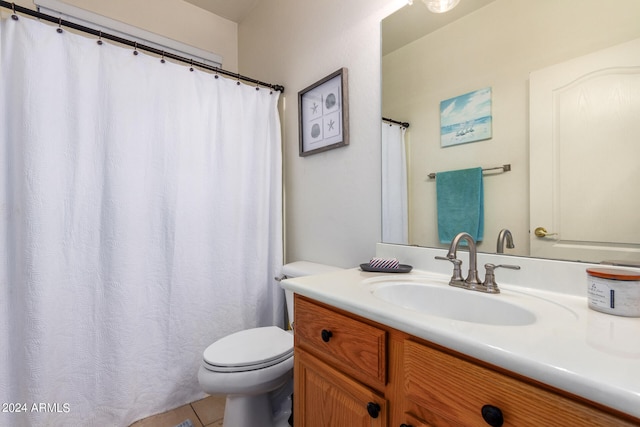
(323,113)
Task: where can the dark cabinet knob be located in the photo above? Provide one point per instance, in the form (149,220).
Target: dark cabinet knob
(373,409)
(326,335)
(492,415)
(405,425)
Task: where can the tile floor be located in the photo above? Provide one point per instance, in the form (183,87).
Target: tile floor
(207,412)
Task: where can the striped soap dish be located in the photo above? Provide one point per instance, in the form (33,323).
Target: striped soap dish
(402,268)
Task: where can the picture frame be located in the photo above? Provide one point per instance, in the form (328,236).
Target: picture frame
(466,118)
(323,114)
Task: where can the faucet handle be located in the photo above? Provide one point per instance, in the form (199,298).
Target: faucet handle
(489,283)
(493,266)
(457,270)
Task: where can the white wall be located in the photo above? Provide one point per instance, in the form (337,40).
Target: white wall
(332,204)
(175,19)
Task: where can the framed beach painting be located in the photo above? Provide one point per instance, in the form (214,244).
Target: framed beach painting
(323,113)
(466,118)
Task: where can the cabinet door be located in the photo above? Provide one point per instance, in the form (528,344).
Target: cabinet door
(325,397)
(457,392)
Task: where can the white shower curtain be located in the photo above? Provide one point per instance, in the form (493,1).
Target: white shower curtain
(395,221)
(140,220)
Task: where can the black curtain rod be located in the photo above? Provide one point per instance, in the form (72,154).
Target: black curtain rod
(403,124)
(61,22)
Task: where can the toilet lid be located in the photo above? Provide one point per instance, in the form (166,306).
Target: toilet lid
(249,349)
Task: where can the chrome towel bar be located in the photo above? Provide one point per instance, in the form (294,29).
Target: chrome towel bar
(505,168)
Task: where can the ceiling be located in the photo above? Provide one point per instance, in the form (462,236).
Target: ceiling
(415,21)
(233,10)
(406,25)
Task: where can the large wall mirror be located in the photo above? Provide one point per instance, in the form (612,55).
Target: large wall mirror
(517,49)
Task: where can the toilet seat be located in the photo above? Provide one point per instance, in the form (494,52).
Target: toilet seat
(249,350)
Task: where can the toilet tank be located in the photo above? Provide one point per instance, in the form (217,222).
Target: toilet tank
(299,269)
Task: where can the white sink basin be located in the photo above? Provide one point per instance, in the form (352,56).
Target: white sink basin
(437,298)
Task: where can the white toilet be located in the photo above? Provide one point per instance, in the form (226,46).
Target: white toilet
(254,367)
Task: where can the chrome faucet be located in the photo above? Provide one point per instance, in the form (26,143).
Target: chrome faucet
(504,235)
(471,282)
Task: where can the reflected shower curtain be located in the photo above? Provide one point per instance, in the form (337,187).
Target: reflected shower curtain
(140,220)
(395,221)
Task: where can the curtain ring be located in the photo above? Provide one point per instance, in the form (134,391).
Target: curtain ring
(13,8)
(99,38)
(162,59)
(191,67)
(59,30)
(216,76)
(135,48)
(238,79)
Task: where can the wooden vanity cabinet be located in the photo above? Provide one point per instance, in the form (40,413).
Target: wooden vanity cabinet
(339,369)
(350,371)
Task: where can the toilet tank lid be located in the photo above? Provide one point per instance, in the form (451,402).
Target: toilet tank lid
(306,268)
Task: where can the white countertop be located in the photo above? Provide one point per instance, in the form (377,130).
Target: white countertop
(570,347)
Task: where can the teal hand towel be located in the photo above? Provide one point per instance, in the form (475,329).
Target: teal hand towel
(460,201)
